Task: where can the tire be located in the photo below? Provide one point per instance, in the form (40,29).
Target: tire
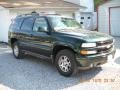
(65,63)
(17,52)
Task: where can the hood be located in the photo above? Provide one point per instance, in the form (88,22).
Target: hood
(88,36)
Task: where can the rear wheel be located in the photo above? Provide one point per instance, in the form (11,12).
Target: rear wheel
(17,52)
(65,63)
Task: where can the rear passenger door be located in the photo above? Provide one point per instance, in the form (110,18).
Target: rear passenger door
(26,33)
(42,40)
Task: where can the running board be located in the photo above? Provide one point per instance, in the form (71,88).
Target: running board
(36,55)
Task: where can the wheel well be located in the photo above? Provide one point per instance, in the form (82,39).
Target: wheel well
(13,40)
(59,48)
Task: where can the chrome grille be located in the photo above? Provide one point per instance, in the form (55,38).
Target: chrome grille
(101,43)
(104,46)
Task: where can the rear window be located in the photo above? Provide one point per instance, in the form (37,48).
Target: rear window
(16,24)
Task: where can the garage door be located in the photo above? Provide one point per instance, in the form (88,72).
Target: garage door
(115,21)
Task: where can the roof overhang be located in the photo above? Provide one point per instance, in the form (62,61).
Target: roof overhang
(39,4)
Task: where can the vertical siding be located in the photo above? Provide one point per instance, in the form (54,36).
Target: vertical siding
(89,4)
(4,25)
(103,15)
(103,20)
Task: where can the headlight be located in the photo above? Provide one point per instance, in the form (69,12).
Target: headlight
(88,45)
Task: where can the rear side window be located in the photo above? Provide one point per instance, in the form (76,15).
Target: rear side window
(16,24)
(27,24)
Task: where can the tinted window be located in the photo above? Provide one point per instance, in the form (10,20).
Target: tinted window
(88,17)
(81,22)
(27,24)
(62,23)
(82,17)
(40,25)
(16,24)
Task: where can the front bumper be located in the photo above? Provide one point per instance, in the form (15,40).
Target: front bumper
(87,62)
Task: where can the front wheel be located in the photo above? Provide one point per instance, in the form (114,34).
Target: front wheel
(65,63)
(17,52)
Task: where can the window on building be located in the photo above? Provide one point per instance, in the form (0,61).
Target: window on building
(89,17)
(82,17)
(81,22)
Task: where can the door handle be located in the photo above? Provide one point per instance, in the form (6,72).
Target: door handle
(47,41)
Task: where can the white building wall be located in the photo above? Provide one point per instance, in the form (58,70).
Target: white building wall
(77,16)
(103,19)
(89,4)
(103,15)
(94,20)
(4,24)
(86,20)
(5,20)
(86,12)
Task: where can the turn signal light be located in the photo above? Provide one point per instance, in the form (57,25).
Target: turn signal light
(86,52)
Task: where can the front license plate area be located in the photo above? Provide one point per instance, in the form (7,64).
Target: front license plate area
(109,58)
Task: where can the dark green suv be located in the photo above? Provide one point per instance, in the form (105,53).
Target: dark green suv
(61,40)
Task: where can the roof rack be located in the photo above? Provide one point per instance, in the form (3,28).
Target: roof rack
(34,13)
(53,14)
(31,14)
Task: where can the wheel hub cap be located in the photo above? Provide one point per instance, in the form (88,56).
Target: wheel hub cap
(64,63)
(16,50)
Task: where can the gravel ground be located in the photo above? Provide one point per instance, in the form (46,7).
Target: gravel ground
(32,73)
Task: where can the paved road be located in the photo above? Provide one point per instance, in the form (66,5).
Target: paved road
(32,73)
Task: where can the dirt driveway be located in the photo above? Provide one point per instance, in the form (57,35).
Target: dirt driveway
(32,73)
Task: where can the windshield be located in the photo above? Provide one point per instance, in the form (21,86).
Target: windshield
(60,23)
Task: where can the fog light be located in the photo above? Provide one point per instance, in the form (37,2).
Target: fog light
(91,65)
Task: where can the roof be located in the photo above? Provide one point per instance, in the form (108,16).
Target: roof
(110,3)
(38,4)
